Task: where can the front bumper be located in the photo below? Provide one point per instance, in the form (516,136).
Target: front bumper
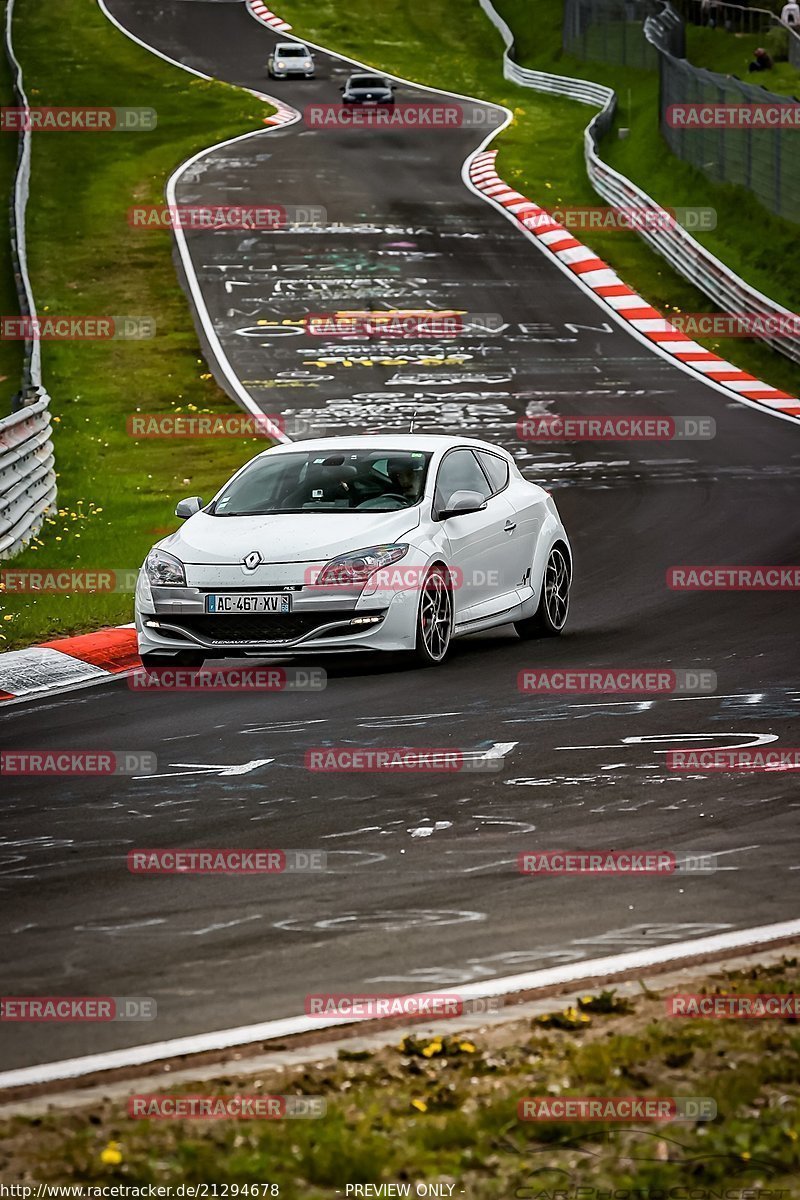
(286,72)
(170,620)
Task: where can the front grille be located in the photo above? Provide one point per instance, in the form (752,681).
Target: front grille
(273,627)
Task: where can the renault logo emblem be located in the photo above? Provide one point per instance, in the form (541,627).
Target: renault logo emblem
(252,560)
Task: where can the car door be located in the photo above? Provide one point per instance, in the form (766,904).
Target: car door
(526,516)
(477,540)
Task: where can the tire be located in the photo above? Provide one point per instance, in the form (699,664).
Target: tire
(434,620)
(184,658)
(551,615)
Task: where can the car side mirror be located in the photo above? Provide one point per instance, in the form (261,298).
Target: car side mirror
(187,508)
(461,503)
(341,89)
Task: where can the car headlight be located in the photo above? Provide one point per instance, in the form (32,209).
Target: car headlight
(165,570)
(357,567)
(280,64)
(307,62)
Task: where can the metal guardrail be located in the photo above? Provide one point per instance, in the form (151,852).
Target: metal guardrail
(27,472)
(670,240)
(27,467)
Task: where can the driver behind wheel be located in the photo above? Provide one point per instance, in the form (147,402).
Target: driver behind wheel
(406,475)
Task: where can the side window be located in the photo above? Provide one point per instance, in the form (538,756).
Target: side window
(496,468)
(460,472)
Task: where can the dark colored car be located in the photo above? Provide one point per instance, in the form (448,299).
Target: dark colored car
(367,89)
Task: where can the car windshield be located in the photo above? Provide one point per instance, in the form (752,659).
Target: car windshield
(316,481)
(288,51)
(368,81)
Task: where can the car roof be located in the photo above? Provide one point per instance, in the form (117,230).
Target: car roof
(430,443)
(283,45)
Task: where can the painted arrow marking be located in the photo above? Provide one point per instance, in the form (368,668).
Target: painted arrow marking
(211,769)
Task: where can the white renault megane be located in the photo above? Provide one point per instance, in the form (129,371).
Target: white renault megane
(397,543)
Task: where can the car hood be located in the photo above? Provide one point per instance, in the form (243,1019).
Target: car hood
(288,537)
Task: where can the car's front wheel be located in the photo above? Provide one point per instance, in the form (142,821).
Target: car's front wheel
(551,615)
(434,619)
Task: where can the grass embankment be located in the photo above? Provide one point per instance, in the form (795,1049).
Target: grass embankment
(116,494)
(10,352)
(764,259)
(444,1109)
(731,53)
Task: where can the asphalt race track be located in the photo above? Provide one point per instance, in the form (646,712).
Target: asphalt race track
(421,888)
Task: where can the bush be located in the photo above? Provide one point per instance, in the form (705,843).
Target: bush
(776,44)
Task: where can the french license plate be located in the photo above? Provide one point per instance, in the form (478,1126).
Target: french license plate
(254,602)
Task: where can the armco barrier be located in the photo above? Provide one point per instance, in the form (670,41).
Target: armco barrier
(672,242)
(27,474)
(27,468)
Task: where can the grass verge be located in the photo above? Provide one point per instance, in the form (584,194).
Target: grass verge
(116,494)
(731,53)
(765,260)
(445,1110)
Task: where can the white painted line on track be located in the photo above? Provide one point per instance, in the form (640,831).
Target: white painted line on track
(220,356)
(242,1035)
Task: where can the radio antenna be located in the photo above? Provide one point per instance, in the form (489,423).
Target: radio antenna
(413,419)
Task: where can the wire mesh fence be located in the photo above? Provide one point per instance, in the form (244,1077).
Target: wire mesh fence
(739,18)
(764,160)
(610,31)
(758,151)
